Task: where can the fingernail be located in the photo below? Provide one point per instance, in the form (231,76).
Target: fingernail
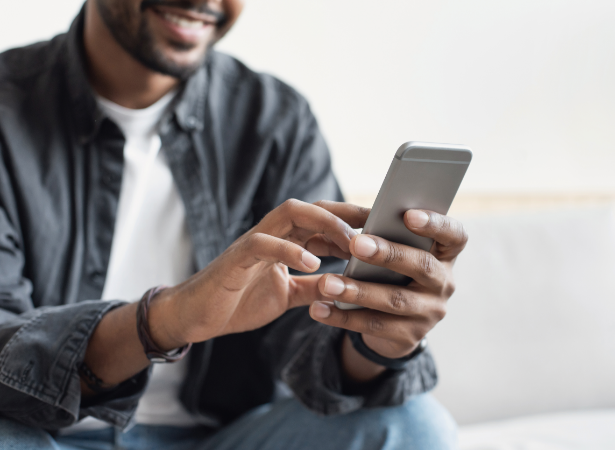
(334,286)
(351,232)
(321,310)
(416,218)
(310,260)
(365,246)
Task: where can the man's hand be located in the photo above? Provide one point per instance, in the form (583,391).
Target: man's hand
(398,317)
(249,286)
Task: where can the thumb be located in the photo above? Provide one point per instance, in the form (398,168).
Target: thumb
(304,290)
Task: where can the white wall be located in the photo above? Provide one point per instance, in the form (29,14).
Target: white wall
(528,84)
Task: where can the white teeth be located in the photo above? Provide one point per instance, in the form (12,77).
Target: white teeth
(183,22)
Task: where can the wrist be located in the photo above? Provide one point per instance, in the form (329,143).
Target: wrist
(356,368)
(163,319)
(387,349)
(396,363)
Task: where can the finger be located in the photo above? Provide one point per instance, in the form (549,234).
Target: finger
(444,230)
(353,215)
(297,217)
(259,247)
(395,300)
(374,323)
(418,264)
(321,245)
(304,290)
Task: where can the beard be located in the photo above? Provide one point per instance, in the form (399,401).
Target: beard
(121,20)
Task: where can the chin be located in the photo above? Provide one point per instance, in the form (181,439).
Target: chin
(186,61)
(168,60)
(183,55)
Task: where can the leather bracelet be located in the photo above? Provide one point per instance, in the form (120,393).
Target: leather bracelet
(390,363)
(154,353)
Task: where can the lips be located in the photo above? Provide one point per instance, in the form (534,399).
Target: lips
(183,21)
(181,26)
(187,16)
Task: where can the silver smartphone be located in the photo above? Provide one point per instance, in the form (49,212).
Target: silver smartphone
(422,175)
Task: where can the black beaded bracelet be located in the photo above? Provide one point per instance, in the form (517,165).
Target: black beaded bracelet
(95,384)
(390,363)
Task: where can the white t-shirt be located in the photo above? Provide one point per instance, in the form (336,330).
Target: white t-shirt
(151,246)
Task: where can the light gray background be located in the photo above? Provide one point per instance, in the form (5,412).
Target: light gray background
(528,84)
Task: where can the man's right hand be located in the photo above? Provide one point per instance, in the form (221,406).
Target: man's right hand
(249,286)
(245,288)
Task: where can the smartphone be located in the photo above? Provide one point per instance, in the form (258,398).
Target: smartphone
(423,175)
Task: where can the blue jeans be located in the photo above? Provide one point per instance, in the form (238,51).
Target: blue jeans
(421,423)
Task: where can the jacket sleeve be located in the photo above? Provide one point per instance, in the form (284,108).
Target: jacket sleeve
(306,353)
(41,348)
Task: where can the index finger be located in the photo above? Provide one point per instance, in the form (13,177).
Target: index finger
(301,221)
(353,215)
(448,233)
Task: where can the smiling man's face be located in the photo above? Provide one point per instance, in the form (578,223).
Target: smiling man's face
(169,36)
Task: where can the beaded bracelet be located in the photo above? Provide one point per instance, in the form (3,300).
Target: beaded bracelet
(95,384)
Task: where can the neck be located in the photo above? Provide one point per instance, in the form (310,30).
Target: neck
(113,73)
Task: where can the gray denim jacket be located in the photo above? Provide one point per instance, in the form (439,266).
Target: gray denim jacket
(238,144)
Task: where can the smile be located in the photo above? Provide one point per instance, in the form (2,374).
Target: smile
(184,22)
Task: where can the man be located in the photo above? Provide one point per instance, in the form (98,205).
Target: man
(134,156)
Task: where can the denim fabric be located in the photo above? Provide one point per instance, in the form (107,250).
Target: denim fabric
(420,424)
(238,144)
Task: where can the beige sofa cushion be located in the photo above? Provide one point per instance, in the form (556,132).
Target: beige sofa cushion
(531,328)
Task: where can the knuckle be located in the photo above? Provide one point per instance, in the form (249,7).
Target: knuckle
(454,229)
(439,220)
(457,230)
(321,203)
(254,240)
(449,288)
(407,340)
(394,255)
(360,293)
(344,318)
(290,205)
(444,225)
(363,211)
(398,300)
(375,324)
(439,312)
(463,234)
(427,263)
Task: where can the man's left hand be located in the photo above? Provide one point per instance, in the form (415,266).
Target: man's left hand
(397,318)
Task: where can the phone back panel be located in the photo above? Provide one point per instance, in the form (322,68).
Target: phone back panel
(421,176)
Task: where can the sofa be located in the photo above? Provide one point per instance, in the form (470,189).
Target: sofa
(526,353)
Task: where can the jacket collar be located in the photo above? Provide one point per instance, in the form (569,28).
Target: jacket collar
(87,115)
(189,109)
